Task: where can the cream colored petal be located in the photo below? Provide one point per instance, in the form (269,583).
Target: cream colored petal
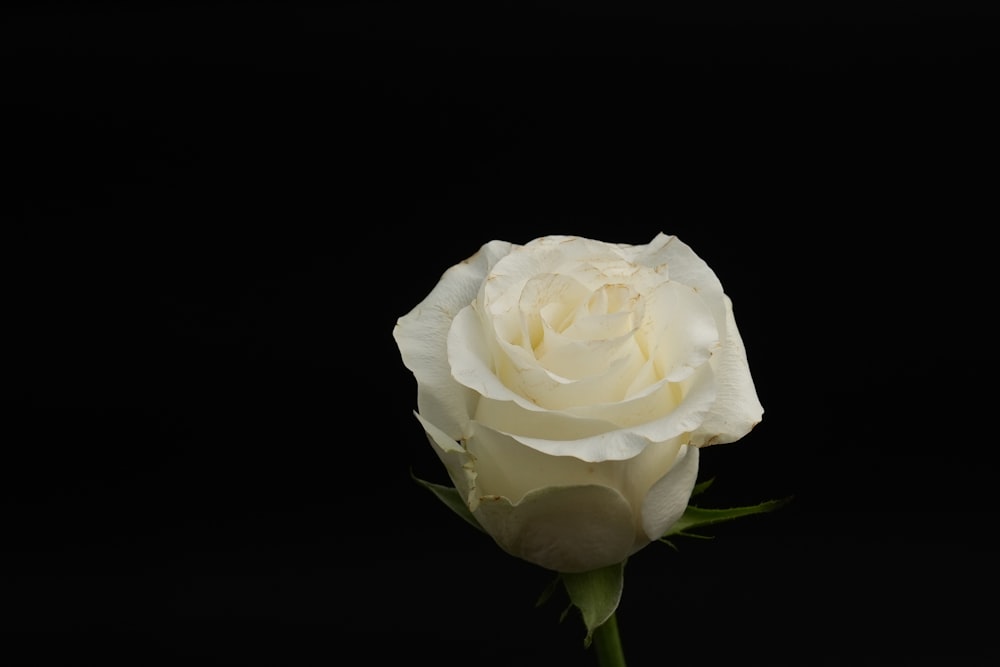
(509,417)
(627,442)
(510,469)
(644,381)
(471,366)
(593,263)
(678,329)
(552,297)
(643,471)
(422,336)
(580,359)
(470,354)
(457,461)
(498,370)
(668,497)
(679,261)
(513,470)
(565,529)
(653,255)
(502,292)
(614,445)
(592,432)
(737,408)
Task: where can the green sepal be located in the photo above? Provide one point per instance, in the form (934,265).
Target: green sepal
(696,517)
(450,497)
(702,487)
(596,594)
(549,591)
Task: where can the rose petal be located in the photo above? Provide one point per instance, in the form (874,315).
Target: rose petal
(737,408)
(510,418)
(610,446)
(646,469)
(578,360)
(544,255)
(670,255)
(654,254)
(668,497)
(470,357)
(422,336)
(565,529)
(544,384)
(457,461)
(616,445)
(513,470)
(472,364)
(678,329)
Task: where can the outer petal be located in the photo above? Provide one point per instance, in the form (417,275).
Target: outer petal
(422,336)
(566,529)
(737,408)
(510,469)
(683,265)
(623,443)
(457,461)
(668,497)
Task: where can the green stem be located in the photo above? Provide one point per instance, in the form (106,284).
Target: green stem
(608,644)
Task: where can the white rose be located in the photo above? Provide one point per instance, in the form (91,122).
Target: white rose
(567,385)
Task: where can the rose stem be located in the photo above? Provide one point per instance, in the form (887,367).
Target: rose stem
(608,644)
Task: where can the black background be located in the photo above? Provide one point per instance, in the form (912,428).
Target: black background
(217,212)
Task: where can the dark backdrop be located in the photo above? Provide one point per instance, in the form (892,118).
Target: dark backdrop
(216,212)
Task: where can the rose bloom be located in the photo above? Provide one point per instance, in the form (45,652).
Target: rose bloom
(567,385)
